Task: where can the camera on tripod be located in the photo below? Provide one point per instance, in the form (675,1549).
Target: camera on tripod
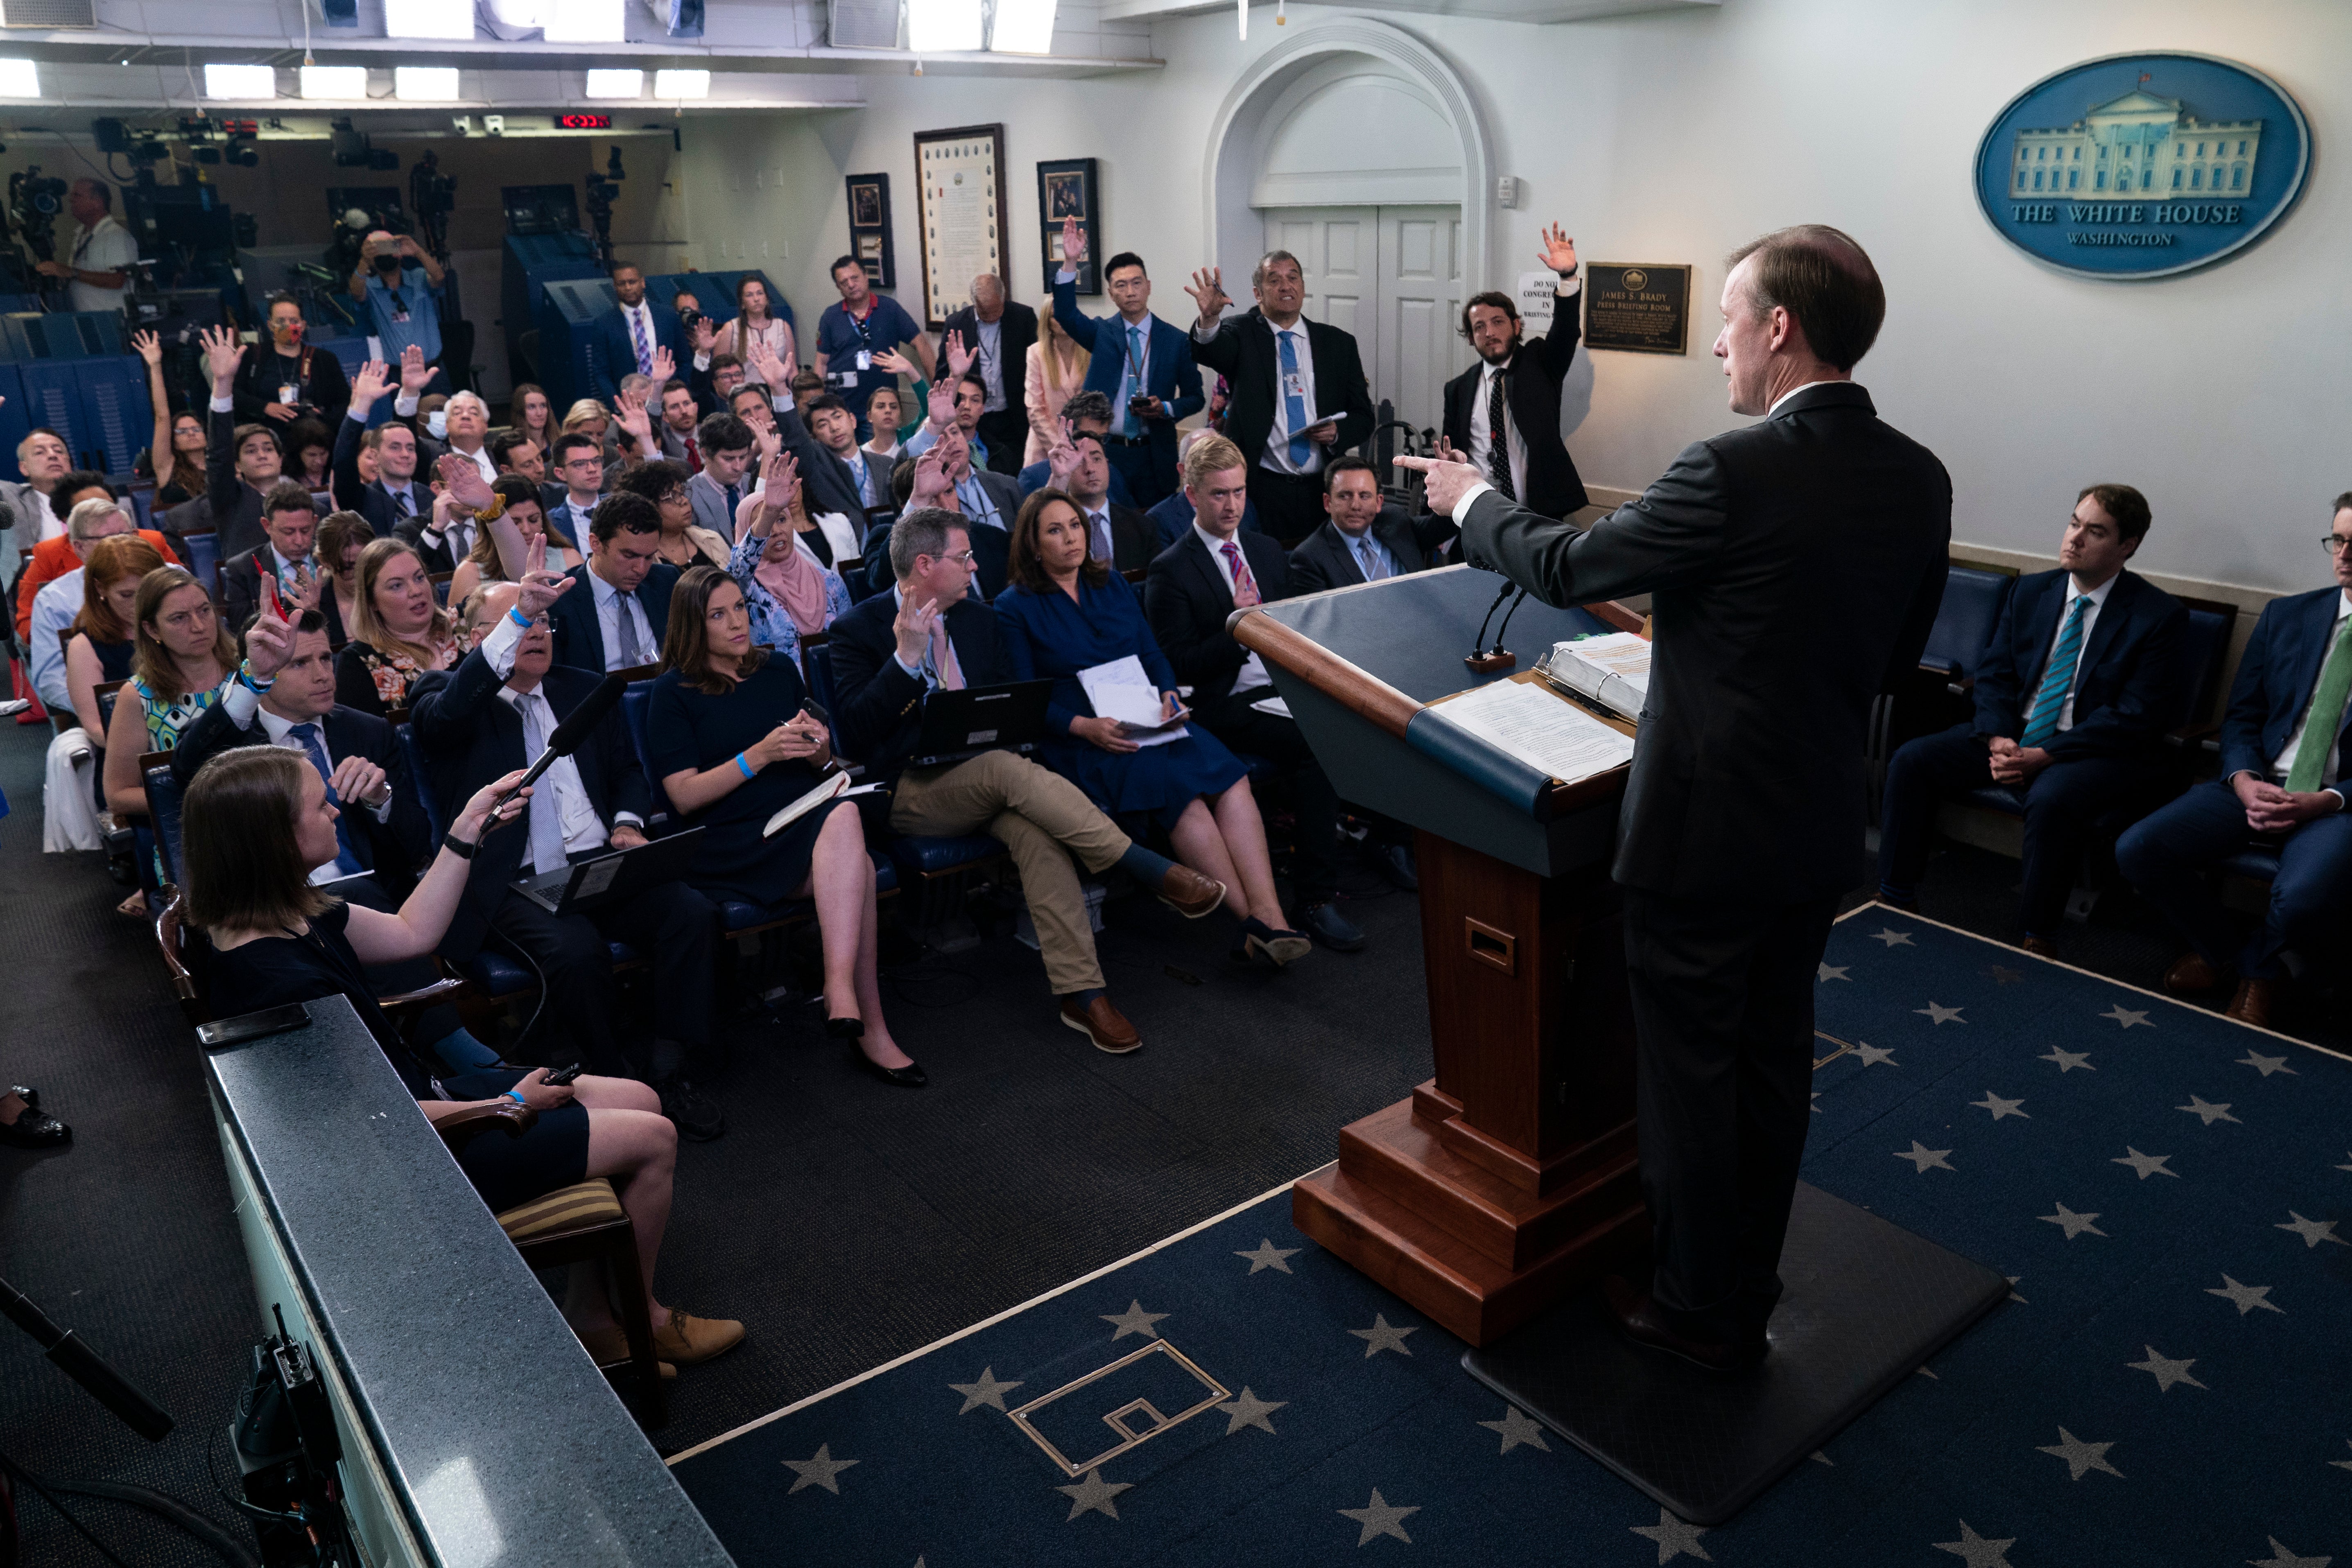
(602,190)
(33,201)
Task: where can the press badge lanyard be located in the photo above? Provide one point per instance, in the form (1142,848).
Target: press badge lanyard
(864,326)
(290,392)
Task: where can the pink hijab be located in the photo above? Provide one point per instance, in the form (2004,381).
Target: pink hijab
(797,581)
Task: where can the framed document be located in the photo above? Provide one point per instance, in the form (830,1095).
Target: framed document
(963,185)
(1067,190)
(869,227)
(1637,309)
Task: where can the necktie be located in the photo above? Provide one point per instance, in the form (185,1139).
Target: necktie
(401,502)
(2328,699)
(1098,531)
(939,662)
(1246,591)
(314,746)
(546,814)
(1369,556)
(1294,404)
(694,457)
(645,350)
(632,650)
(2057,680)
(734,499)
(1498,443)
(1134,386)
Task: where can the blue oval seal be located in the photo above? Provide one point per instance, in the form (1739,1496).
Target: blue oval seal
(2142,166)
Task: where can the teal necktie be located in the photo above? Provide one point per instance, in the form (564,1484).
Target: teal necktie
(2057,680)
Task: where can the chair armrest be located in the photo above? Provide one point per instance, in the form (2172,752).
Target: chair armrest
(422,996)
(2189,735)
(457,1129)
(1964,686)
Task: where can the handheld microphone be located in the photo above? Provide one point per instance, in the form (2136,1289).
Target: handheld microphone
(575,727)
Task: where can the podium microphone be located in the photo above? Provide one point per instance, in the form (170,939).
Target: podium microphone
(576,726)
(1486,660)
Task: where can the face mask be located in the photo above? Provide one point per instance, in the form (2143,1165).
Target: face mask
(437,423)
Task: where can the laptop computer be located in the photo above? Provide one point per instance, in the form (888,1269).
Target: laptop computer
(962,724)
(606,879)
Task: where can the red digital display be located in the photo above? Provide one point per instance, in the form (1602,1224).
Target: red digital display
(584,122)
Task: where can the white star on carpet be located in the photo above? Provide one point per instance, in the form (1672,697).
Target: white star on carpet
(1892,938)
(2001,976)
(1827,972)
(1135,1320)
(1517,1427)
(1093,1495)
(1999,1106)
(2125,1017)
(2068,1060)
(2343,1464)
(2313,1231)
(2246,1298)
(1269,1256)
(1382,1335)
(2281,1557)
(1674,1537)
(2166,1372)
(2071,1223)
(1380,1518)
(2146,1165)
(1939,1015)
(2080,1457)
(987,1391)
(2267,1065)
(1820,1458)
(1816,1110)
(1249,1410)
(1869,1055)
(2013,1296)
(1976,1551)
(1923,1158)
(819,1471)
(2208,1113)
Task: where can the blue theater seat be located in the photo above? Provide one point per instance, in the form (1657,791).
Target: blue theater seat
(164,796)
(1964,623)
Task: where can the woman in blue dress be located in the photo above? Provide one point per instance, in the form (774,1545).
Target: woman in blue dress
(1062,612)
(728,734)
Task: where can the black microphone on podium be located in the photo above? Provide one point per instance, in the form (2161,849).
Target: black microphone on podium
(575,727)
(1482,658)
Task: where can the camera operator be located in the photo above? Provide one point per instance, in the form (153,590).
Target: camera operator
(96,270)
(286,379)
(400,283)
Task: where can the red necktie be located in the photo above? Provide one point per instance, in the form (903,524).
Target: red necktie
(1246,591)
(693,457)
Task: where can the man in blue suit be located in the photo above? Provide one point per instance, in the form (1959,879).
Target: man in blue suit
(620,614)
(1141,362)
(627,338)
(2281,788)
(2082,679)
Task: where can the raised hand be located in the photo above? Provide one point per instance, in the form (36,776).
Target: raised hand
(1559,251)
(941,403)
(664,365)
(912,628)
(769,440)
(461,483)
(416,375)
(706,335)
(306,584)
(372,382)
(781,481)
(1208,291)
(629,413)
(540,587)
(268,642)
(149,346)
(1062,460)
(223,354)
(959,356)
(897,363)
(1074,244)
(765,360)
(931,480)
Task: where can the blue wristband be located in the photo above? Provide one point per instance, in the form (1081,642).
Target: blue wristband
(516,1095)
(743,767)
(519,619)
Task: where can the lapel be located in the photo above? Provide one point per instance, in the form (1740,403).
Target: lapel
(2108,626)
(2042,629)
(2317,632)
(1194,551)
(1396,534)
(593,621)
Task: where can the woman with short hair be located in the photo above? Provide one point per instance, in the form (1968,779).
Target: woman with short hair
(335,551)
(684,542)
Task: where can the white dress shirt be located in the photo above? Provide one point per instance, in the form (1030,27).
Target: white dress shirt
(277,727)
(1251,675)
(582,830)
(1276,455)
(481,456)
(107,247)
(1793,391)
(989,361)
(1362,545)
(1481,439)
(2331,772)
(611,605)
(2096,600)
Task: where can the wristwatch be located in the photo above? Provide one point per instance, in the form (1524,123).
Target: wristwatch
(457,846)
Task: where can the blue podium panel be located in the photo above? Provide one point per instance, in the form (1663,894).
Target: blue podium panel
(120,413)
(567,316)
(15,421)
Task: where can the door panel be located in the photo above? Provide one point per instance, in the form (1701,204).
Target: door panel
(1392,277)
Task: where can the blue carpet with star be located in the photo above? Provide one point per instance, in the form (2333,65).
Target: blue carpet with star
(2170,1191)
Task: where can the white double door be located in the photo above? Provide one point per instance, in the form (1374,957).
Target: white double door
(1393,277)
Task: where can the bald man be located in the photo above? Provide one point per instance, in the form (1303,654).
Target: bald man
(997,332)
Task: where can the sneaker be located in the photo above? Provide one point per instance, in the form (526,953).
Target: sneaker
(1334,930)
(697,1115)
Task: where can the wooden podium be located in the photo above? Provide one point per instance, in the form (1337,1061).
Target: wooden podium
(1508,1180)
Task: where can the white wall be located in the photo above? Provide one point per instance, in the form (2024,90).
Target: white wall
(1673,138)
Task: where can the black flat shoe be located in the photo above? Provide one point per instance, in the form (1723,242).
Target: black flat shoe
(36,1129)
(26,1093)
(844,1028)
(910,1076)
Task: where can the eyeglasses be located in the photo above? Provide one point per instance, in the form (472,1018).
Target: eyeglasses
(2334,545)
(963,558)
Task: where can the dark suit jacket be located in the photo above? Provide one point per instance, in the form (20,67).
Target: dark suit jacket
(1531,387)
(1324,561)
(240,585)
(1033,479)
(580,633)
(437,557)
(470,738)
(1795,565)
(1016,329)
(235,506)
(395,849)
(832,485)
(2129,683)
(2275,680)
(1172,518)
(368,497)
(616,351)
(1187,602)
(1246,353)
(878,714)
(326,390)
(1133,540)
(1170,374)
(992,548)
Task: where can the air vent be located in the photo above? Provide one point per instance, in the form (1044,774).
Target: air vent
(48,13)
(863,24)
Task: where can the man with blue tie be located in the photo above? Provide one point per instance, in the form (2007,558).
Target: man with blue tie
(2281,788)
(1141,362)
(2073,694)
(289,521)
(1361,539)
(636,330)
(619,619)
(577,470)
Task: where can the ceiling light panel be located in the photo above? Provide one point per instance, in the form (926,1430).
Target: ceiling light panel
(616,84)
(345,82)
(19,79)
(581,21)
(240,81)
(425,84)
(1023,27)
(428,19)
(943,27)
(681,84)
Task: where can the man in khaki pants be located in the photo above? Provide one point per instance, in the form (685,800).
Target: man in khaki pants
(927,634)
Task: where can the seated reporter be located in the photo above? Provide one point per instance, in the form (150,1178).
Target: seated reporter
(1173,515)
(400,632)
(789,591)
(523,508)
(289,523)
(1064,612)
(182,662)
(497,709)
(926,635)
(259,823)
(102,647)
(2073,694)
(2282,787)
(1086,412)
(931,480)
(1118,535)
(730,736)
(1361,539)
(335,556)
(60,602)
(683,541)
(1195,586)
(618,617)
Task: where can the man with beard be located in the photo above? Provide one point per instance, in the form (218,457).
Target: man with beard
(1515,389)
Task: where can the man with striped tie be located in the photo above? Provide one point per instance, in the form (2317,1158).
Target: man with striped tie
(2073,694)
(627,339)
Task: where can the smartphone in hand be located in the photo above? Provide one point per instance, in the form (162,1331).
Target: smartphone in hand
(564,1075)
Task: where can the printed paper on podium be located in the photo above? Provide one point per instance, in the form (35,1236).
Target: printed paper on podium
(1544,731)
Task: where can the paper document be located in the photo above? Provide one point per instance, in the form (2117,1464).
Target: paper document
(1612,669)
(1122,691)
(1540,729)
(834,787)
(1274,705)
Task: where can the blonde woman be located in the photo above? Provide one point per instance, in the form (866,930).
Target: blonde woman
(1056,368)
(399,631)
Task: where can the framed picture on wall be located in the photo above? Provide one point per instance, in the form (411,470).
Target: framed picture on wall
(961,176)
(1067,189)
(869,227)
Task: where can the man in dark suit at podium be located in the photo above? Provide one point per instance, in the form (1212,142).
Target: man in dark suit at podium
(1794,565)
(1503,413)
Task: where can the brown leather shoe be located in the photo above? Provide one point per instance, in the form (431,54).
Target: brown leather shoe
(2190,975)
(1637,1314)
(2253,1002)
(1102,1023)
(686,1339)
(2040,946)
(1189,894)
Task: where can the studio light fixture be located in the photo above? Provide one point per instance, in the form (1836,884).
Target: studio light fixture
(334,81)
(18,79)
(943,27)
(681,84)
(1023,27)
(615,83)
(425,84)
(428,19)
(581,21)
(240,81)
